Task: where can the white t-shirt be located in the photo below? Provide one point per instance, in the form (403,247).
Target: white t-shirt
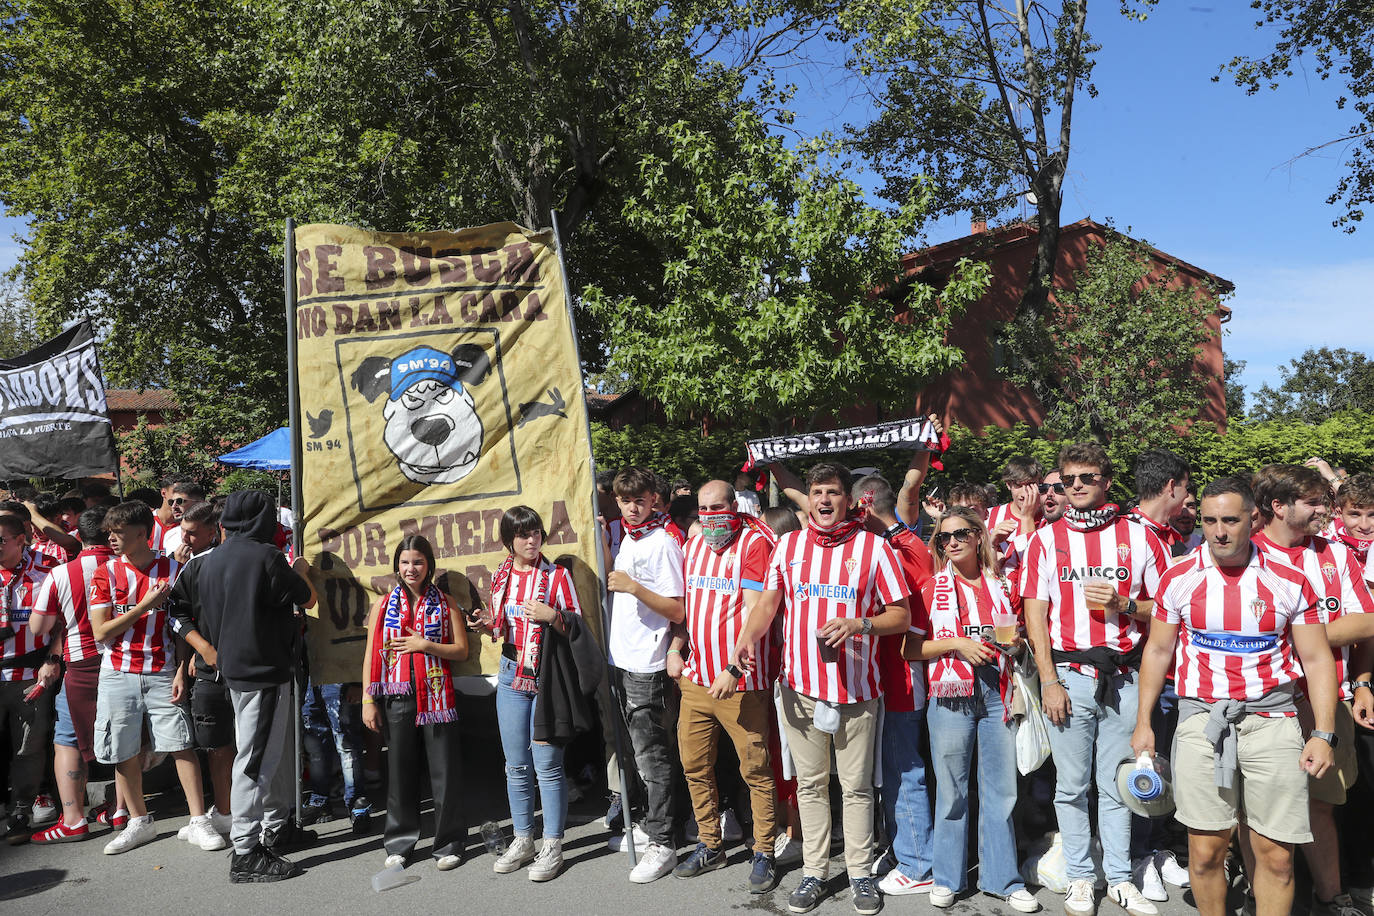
(639,636)
(171,540)
(748,503)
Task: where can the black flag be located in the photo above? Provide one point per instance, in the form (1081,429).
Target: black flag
(53,421)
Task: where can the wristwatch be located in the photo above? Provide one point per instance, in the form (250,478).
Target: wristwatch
(1329,737)
(735,672)
(867,625)
(1131,607)
(1368,685)
(897,528)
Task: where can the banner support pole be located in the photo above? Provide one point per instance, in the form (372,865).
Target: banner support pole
(615,714)
(293,413)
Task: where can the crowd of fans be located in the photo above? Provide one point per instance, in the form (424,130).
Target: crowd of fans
(893,637)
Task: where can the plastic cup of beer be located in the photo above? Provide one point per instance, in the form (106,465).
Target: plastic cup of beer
(1095,604)
(1004,628)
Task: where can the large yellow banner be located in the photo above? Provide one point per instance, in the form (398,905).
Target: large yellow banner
(439,385)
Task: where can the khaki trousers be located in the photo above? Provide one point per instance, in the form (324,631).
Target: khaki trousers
(810,747)
(745,717)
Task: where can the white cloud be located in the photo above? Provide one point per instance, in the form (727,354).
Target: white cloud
(1278,311)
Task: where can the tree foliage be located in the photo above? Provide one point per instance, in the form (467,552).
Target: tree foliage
(1333,39)
(1123,346)
(1317,385)
(18,326)
(1235,391)
(978,97)
(776,298)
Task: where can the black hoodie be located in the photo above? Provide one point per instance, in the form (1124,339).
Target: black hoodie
(246,592)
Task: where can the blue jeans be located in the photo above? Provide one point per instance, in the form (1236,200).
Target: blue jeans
(515,715)
(333,735)
(1107,729)
(957,725)
(906,806)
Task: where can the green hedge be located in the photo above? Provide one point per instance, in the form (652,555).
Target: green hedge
(1344,440)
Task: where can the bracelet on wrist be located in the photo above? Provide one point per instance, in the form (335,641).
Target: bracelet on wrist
(369,699)
(674,651)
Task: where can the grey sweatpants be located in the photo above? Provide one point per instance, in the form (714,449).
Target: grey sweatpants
(261,792)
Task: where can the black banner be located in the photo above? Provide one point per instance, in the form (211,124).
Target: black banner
(917,434)
(53,421)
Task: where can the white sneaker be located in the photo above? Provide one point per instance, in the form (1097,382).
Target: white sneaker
(941,896)
(896,884)
(223,823)
(448,863)
(730,830)
(617,840)
(1079,900)
(1170,870)
(44,812)
(1146,877)
(656,862)
(201,832)
(1023,901)
(139,830)
(517,855)
(1129,898)
(786,850)
(395,860)
(549,862)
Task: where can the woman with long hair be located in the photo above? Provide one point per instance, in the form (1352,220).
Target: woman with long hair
(968,704)
(529,595)
(413,636)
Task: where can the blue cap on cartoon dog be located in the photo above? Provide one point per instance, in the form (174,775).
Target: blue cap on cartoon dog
(420,364)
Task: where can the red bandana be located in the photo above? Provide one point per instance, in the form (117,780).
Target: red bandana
(837,533)
(1359,545)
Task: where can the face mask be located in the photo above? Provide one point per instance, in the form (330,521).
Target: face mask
(718,529)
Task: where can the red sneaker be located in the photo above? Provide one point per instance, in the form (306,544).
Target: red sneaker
(61,833)
(103,816)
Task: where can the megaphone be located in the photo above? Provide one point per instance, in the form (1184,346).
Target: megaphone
(1145,786)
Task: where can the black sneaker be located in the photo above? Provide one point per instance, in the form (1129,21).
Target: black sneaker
(360,813)
(315,813)
(807,896)
(867,900)
(763,877)
(288,837)
(259,866)
(20,830)
(615,814)
(702,859)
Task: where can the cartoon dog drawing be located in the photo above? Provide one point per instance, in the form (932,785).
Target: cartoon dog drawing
(432,425)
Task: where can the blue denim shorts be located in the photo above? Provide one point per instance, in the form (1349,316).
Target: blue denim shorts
(64,733)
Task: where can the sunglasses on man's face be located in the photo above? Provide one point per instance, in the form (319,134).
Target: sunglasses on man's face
(1047,487)
(177,501)
(962,535)
(1088,479)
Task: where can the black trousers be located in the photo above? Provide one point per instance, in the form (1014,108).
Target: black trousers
(409,746)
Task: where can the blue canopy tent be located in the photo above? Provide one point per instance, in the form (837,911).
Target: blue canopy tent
(270,453)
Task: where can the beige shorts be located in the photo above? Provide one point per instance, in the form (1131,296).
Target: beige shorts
(1270,791)
(1332,786)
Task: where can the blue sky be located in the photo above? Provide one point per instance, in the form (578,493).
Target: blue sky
(1197,168)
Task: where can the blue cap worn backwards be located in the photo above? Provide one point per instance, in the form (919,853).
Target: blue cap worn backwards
(420,364)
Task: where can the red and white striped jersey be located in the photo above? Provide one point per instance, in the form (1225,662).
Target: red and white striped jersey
(903,681)
(856,579)
(158,536)
(1059,559)
(1013,549)
(56,555)
(146,647)
(1233,636)
(716,583)
(1338,580)
(35,559)
(66,594)
(1004,512)
(19,590)
(516,627)
(1167,534)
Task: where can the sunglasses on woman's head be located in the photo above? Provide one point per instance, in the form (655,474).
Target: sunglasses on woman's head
(1046,487)
(1088,479)
(962,535)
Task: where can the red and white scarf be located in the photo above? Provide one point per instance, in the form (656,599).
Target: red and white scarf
(527,664)
(647,527)
(836,534)
(949,675)
(427,676)
(1359,545)
(719,529)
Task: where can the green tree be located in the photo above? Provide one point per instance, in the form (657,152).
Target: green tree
(1123,346)
(18,326)
(978,97)
(1331,38)
(778,297)
(1317,385)
(1235,391)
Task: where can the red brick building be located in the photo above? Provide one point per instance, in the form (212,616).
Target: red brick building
(976,395)
(126,405)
